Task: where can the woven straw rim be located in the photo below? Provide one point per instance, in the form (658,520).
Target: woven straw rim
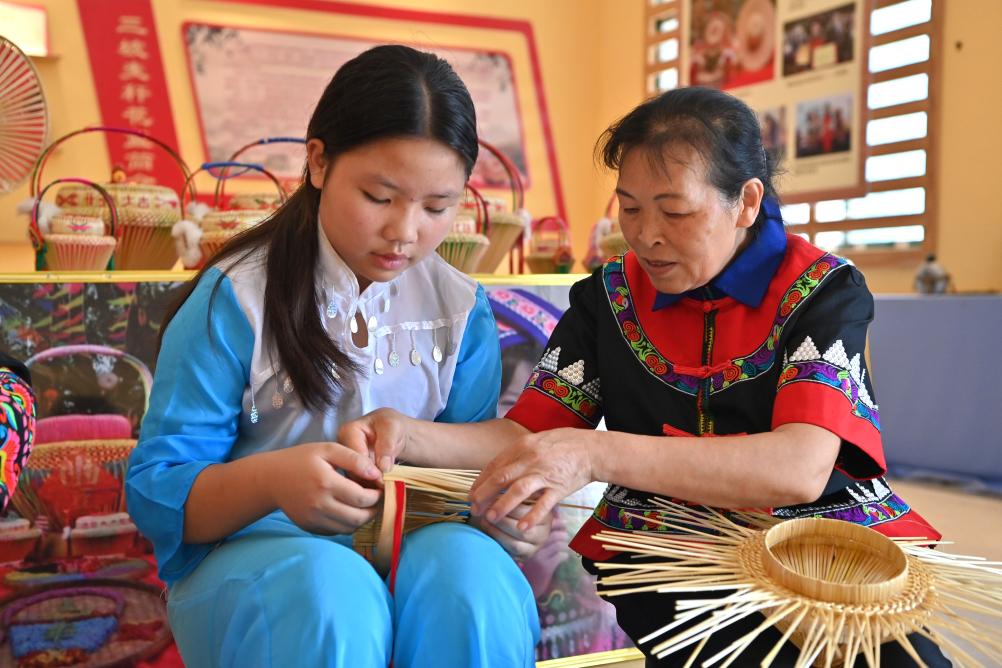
(80,240)
(841,536)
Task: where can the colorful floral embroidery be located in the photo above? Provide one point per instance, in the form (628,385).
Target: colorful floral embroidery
(834,369)
(870,514)
(17,429)
(741,369)
(574,398)
(818,371)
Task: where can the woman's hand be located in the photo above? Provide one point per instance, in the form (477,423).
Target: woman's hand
(306,484)
(383,433)
(516,542)
(548,466)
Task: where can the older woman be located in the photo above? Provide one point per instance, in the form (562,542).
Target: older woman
(725,355)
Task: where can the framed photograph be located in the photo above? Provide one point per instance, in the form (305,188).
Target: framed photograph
(820,40)
(732,42)
(824,126)
(774,133)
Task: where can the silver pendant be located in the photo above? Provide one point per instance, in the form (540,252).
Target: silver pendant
(436,354)
(372,323)
(331,310)
(354,325)
(378,364)
(277,401)
(415,355)
(394,359)
(253,415)
(287,385)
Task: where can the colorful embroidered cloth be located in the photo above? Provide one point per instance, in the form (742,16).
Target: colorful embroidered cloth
(17,424)
(714,363)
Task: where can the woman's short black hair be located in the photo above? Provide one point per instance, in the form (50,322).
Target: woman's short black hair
(722,130)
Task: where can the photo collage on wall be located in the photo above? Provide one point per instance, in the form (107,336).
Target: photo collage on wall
(798,64)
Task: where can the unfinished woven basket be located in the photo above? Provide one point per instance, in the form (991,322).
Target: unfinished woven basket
(836,589)
(422,496)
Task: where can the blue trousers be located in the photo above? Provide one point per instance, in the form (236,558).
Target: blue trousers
(275,595)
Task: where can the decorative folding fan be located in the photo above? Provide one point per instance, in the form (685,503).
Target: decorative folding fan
(24,120)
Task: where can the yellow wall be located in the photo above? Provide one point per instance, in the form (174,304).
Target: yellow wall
(591,55)
(970,143)
(582,54)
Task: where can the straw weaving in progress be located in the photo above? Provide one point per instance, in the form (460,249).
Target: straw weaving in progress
(837,590)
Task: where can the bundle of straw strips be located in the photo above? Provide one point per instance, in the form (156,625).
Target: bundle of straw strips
(432,495)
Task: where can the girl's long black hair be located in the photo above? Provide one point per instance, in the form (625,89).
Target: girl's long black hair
(386,92)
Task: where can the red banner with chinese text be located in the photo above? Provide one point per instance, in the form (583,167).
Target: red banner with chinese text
(124,51)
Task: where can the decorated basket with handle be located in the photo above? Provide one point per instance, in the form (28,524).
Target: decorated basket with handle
(217,226)
(75,242)
(506,227)
(71,478)
(267,200)
(467,241)
(145,212)
(610,239)
(550,247)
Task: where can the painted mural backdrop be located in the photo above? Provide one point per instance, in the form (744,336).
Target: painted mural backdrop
(84,325)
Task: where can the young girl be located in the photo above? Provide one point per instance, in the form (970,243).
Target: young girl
(333,307)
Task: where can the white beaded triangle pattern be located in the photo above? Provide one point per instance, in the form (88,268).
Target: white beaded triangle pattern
(864,395)
(806,352)
(549,360)
(836,355)
(854,368)
(592,387)
(573,373)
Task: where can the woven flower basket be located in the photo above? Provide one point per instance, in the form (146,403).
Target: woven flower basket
(550,247)
(506,226)
(145,213)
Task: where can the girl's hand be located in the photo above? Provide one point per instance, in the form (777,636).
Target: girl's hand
(549,466)
(383,433)
(306,485)
(519,544)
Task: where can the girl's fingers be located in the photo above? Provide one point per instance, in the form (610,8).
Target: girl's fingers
(491,482)
(513,545)
(520,491)
(540,510)
(337,513)
(351,461)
